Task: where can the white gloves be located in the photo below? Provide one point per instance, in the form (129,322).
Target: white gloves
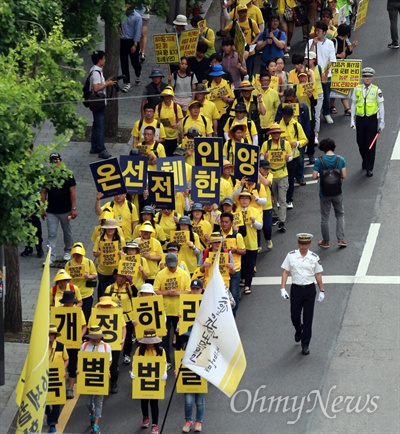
(321,296)
(164,377)
(353,125)
(381,126)
(132,375)
(284,294)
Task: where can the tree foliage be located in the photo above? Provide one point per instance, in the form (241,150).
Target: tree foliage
(38,81)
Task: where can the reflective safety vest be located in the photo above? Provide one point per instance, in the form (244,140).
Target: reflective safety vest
(367,106)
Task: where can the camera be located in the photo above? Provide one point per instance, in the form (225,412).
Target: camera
(118,77)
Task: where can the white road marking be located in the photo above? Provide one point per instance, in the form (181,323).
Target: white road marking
(361,273)
(396,148)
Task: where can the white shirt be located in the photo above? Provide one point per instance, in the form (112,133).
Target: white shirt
(97,77)
(302,268)
(101,348)
(325,51)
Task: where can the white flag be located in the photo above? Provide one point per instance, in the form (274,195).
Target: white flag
(214,350)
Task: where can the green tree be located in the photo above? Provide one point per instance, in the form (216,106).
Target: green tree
(39,80)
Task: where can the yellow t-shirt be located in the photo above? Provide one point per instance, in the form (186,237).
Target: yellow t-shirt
(277,156)
(230,123)
(292,133)
(107,270)
(217,91)
(122,297)
(190,258)
(167,222)
(97,232)
(56,294)
(202,228)
(168,117)
(202,123)
(124,216)
(268,204)
(156,149)
(209,110)
(155,249)
(225,188)
(58,356)
(250,240)
(160,131)
(159,233)
(232,242)
(253,12)
(249,32)
(229,150)
(179,280)
(73,268)
(271,103)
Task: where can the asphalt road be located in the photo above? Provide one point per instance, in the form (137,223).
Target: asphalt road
(275,365)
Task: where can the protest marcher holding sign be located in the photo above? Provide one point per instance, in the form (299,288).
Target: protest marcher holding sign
(57,353)
(108,315)
(140,268)
(108,248)
(149,346)
(62,280)
(84,275)
(95,402)
(121,294)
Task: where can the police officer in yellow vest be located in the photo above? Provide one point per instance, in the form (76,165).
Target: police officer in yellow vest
(368,117)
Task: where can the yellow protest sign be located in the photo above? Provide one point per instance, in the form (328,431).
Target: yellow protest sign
(148,371)
(188,307)
(111,321)
(188,381)
(56,393)
(307,87)
(69,323)
(180,237)
(223,262)
(77,271)
(166,48)
(361,14)
(93,368)
(188,42)
(109,253)
(345,75)
(129,265)
(240,43)
(237,221)
(149,312)
(294,105)
(144,246)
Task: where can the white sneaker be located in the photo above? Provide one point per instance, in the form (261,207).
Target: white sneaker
(127,359)
(289,205)
(127,88)
(67,256)
(328,119)
(316,140)
(137,81)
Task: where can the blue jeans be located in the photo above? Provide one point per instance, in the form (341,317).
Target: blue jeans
(326,105)
(300,164)
(234,287)
(52,226)
(190,398)
(172,322)
(95,404)
(97,139)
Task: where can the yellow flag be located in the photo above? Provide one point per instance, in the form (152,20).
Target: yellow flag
(33,383)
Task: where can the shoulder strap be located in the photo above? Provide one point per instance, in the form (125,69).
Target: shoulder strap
(59,346)
(140,125)
(54,289)
(155,152)
(324,166)
(204,122)
(184,121)
(159,108)
(112,204)
(296,130)
(337,161)
(282,142)
(176,111)
(269,144)
(175,75)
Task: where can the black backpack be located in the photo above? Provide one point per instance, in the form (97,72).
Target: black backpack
(331,179)
(87,91)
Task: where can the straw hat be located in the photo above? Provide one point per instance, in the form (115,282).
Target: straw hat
(95,333)
(53,330)
(216,237)
(110,224)
(106,300)
(150,337)
(234,125)
(245,193)
(275,128)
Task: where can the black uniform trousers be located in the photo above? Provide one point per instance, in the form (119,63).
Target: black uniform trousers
(367,127)
(302,299)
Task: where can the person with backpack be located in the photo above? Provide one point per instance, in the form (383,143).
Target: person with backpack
(183,82)
(97,84)
(94,403)
(251,33)
(152,91)
(84,275)
(169,113)
(196,119)
(236,135)
(147,121)
(125,212)
(271,42)
(241,118)
(278,152)
(331,171)
(62,283)
(249,99)
(151,148)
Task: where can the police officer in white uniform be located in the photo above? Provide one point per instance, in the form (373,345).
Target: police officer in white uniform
(368,117)
(305,267)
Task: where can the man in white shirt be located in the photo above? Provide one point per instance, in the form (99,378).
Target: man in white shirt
(326,55)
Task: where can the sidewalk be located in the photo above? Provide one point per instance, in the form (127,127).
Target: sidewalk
(77,158)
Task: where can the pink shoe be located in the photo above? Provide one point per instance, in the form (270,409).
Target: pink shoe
(197,427)
(145,422)
(154,429)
